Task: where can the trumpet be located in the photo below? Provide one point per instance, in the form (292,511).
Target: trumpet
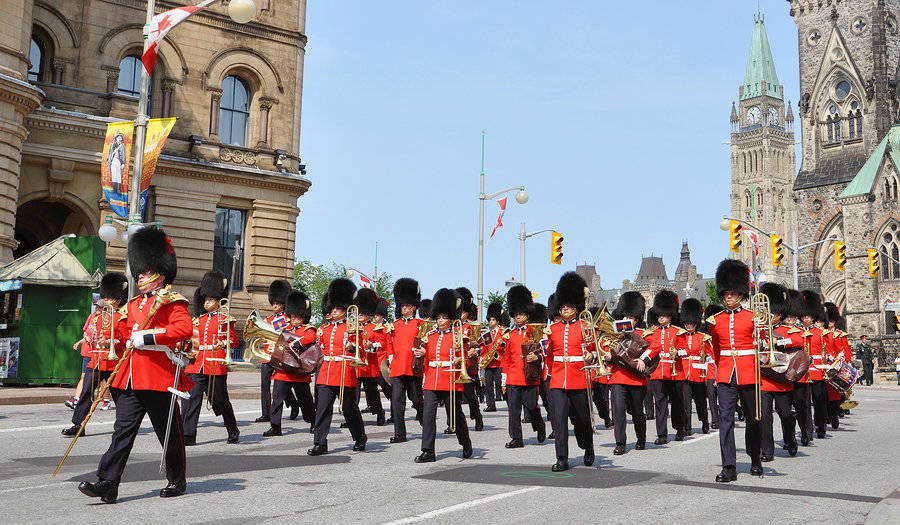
(703,360)
(673,355)
(762,321)
(109,312)
(588,336)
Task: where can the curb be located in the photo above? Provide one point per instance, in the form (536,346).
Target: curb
(887,511)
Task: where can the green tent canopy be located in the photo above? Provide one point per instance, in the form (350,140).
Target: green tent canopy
(53,264)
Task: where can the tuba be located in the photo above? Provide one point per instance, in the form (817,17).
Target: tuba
(260,338)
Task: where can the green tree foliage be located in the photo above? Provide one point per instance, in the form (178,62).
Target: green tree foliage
(495,297)
(712,292)
(313,279)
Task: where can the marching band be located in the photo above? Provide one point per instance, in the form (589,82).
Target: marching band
(766,350)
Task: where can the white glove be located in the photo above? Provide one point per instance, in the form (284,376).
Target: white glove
(138,339)
(376,345)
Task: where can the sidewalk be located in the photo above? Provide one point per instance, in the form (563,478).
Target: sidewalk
(241,385)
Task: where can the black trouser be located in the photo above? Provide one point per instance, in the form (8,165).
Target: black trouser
(801,407)
(265,388)
(492,387)
(665,391)
(697,391)
(729,393)
(576,403)
(544,393)
(401,388)
(325,411)
(373,397)
(385,387)
(429,418)
(713,400)
(131,407)
(628,399)
(519,397)
(472,399)
(221,405)
(834,412)
(868,373)
(820,404)
(479,388)
(600,393)
(649,408)
(782,401)
(92,378)
(297,390)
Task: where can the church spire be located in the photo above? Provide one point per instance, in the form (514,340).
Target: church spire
(760,78)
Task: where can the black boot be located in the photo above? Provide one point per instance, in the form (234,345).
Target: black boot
(560,465)
(728,473)
(515,443)
(317,450)
(467,452)
(640,445)
(173,489)
(72,431)
(234,437)
(589,457)
(360,445)
(756,470)
(792,449)
(190,441)
(479,423)
(705,428)
(295,411)
(380,420)
(274,430)
(542,434)
(398,439)
(107,491)
(662,440)
(427,456)
(619,450)
(262,419)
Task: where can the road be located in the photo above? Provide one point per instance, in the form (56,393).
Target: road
(851,477)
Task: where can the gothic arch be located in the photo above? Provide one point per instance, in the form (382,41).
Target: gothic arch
(57,25)
(837,64)
(266,77)
(836,293)
(128,36)
(832,223)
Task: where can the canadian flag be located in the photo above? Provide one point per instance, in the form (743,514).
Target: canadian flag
(364,281)
(162,24)
(502,204)
(754,238)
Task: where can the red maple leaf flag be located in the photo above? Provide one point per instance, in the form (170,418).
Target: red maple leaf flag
(162,24)
(366,283)
(502,204)
(754,238)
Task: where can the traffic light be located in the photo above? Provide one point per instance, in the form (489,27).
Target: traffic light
(777,250)
(734,229)
(556,253)
(840,255)
(893,322)
(873,262)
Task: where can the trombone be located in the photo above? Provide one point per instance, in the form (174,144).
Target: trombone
(357,360)
(762,322)
(589,335)
(109,312)
(458,345)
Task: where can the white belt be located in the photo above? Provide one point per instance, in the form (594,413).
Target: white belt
(334,358)
(822,367)
(737,353)
(682,353)
(700,366)
(206,347)
(568,358)
(439,364)
(666,360)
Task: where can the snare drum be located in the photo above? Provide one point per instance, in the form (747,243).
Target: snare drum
(842,376)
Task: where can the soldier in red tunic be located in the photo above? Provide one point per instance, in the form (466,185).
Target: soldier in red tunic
(278,292)
(492,375)
(733,349)
(665,381)
(811,312)
(544,390)
(521,391)
(400,337)
(96,341)
(651,323)
(711,392)
(154,323)
(838,348)
(600,385)
(381,311)
(468,314)
(209,374)
(367,302)
(442,359)
(569,353)
(693,348)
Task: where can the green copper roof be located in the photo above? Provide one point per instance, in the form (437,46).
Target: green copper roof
(760,78)
(865,178)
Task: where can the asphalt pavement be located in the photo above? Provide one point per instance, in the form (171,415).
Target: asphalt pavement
(850,477)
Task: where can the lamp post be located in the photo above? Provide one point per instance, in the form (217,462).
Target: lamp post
(521,198)
(522,237)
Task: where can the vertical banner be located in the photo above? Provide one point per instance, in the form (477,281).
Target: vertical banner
(115,165)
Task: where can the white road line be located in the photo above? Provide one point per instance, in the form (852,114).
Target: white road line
(34,487)
(208,415)
(695,439)
(461,506)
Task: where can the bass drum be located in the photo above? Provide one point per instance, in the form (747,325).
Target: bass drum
(628,350)
(789,367)
(842,376)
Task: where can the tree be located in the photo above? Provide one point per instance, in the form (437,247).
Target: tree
(496,297)
(712,291)
(313,280)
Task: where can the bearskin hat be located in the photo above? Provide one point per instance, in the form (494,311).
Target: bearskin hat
(341,293)
(473,312)
(552,307)
(631,304)
(691,312)
(367,301)
(466,295)
(425,309)
(114,285)
(711,310)
(794,301)
(652,317)
(519,300)
(539,315)
(832,314)
(446,302)
(297,303)
(326,306)
(811,305)
(495,311)
(406,291)
(382,307)
(777,295)
(279,290)
(214,285)
(733,276)
(666,303)
(150,250)
(572,290)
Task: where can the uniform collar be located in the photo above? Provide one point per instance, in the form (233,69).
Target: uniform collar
(736,310)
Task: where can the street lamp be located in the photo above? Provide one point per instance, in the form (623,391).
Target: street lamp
(242,11)
(521,198)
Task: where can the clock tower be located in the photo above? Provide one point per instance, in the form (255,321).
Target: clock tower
(762,155)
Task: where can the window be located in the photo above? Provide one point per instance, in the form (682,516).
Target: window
(234,111)
(747,199)
(130,70)
(829,129)
(37,62)
(842,90)
(890,248)
(229,229)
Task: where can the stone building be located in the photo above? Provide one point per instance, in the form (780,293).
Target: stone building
(230,169)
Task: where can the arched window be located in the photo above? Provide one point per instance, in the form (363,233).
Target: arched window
(759,198)
(36,57)
(130,75)
(890,246)
(829,129)
(858,122)
(747,199)
(234,111)
(851,120)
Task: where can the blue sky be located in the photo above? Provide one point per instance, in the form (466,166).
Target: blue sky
(611,114)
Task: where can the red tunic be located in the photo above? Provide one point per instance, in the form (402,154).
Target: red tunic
(732,346)
(816,346)
(373,336)
(512,361)
(662,341)
(495,333)
(438,352)
(148,369)
(565,355)
(332,338)
(308,334)
(401,335)
(207,337)
(622,376)
(689,345)
(100,330)
(836,351)
(90,334)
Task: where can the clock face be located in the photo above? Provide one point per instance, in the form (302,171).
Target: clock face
(753,115)
(773,116)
